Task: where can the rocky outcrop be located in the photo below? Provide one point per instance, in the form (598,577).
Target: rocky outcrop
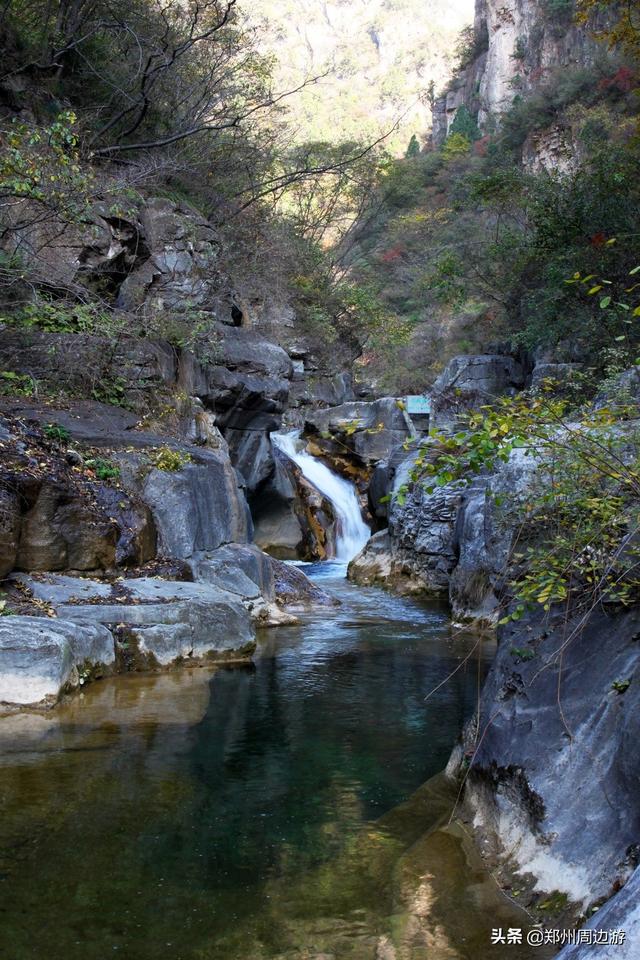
(518,43)
(196,507)
(553,773)
(469,382)
(622,912)
(53,517)
(292,520)
(85,363)
(355,436)
(454,541)
(246,385)
(182,271)
(161,622)
(39,658)
(152,259)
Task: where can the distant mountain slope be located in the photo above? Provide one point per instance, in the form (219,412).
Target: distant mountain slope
(385,56)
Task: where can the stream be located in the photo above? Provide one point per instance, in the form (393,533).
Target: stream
(279,810)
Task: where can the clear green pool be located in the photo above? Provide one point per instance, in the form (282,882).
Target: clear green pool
(252,813)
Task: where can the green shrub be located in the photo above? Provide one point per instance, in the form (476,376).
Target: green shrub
(111,390)
(170,460)
(16,384)
(61,317)
(456,145)
(104,470)
(577,518)
(53,431)
(464,124)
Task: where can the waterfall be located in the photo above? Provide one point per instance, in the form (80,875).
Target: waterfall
(351,531)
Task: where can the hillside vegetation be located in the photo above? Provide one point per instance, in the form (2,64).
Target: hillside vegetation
(523,232)
(381,61)
(396,263)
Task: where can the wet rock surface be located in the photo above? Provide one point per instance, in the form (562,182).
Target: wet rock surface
(293,588)
(622,912)
(293,521)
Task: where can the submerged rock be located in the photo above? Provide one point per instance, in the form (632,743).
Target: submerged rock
(293,588)
(39,658)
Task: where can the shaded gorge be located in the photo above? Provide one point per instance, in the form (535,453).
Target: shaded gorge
(278,810)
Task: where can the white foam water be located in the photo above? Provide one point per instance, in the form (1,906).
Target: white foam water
(351,531)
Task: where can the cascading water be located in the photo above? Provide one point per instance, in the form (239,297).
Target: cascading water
(351,531)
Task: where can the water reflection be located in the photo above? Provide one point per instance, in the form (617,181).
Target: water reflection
(245,814)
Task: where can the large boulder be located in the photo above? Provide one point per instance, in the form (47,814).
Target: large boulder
(376,562)
(240,568)
(483,536)
(358,431)
(61,531)
(246,572)
(166,621)
(555,770)
(469,382)
(555,376)
(40,657)
(196,507)
(294,589)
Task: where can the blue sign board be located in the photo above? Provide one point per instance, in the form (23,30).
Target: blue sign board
(418,403)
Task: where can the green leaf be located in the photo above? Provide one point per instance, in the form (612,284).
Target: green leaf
(604,303)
